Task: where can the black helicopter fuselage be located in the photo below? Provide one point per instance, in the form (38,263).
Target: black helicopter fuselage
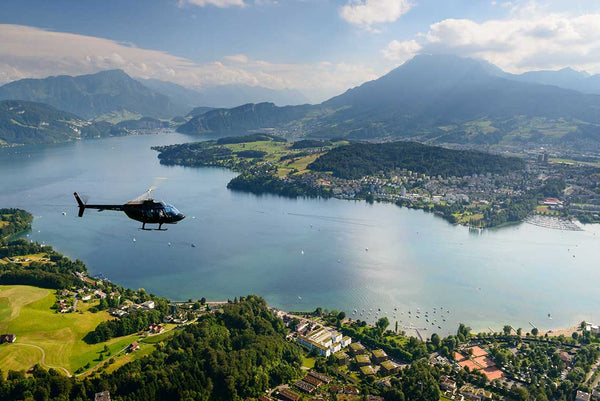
(146,211)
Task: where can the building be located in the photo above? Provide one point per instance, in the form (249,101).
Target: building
(379,356)
(148,305)
(342,358)
(264,398)
(288,395)
(325,340)
(582,396)
(103,396)
(363,360)
(133,346)
(86,297)
(447,384)
(320,376)
(357,349)
(304,386)
(100,294)
(313,381)
(367,370)
(390,367)
(8,338)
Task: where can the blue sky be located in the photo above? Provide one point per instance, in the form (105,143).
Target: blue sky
(320,47)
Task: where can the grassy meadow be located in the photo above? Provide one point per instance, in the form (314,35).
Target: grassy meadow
(25,311)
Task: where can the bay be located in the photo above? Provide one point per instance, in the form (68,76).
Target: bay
(297,253)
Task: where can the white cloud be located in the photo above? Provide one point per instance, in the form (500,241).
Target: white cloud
(366,13)
(237,58)
(401,51)
(529,40)
(27,52)
(216,3)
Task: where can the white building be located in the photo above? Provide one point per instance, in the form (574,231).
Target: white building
(148,304)
(326,340)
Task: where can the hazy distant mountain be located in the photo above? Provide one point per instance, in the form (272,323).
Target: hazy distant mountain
(435,98)
(23,122)
(225,95)
(94,96)
(567,78)
(243,118)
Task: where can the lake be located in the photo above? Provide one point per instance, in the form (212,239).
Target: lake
(297,253)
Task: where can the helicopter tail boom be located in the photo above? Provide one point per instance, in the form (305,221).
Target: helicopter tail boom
(83,206)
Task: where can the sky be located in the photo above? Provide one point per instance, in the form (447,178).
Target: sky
(320,47)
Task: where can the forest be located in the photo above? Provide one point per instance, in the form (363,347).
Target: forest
(231,355)
(361,159)
(13,221)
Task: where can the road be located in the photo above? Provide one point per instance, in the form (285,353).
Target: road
(43,363)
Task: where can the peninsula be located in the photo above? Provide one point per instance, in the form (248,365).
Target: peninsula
(465,187)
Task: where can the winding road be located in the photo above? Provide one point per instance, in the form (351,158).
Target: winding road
(43,363)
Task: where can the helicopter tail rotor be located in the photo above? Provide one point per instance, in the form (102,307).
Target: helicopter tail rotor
(80,203)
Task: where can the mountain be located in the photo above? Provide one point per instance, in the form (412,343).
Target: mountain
(247,117)
(23,122)
(104,95)
(225,95)
(567,78)
(434,98)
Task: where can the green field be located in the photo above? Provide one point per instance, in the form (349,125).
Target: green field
(25,311)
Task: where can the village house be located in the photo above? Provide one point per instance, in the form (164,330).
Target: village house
(134,346)
(103,396)
(155,328)
(8,338)
(148,305)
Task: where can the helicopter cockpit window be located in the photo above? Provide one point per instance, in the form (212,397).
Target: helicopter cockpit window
(171,210)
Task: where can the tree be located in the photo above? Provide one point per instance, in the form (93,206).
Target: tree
(382,324)
(535,331)
(202,300)
(318,311)
(436,340)
(519,331)
(507,329)
(341,316)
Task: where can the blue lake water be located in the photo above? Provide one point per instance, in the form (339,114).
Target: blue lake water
(297,254)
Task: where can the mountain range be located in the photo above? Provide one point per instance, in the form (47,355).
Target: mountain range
(433,98)
(102,96)
(225,95)
(430,98)
(23,122)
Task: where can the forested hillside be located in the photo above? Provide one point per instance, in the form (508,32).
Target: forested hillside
(360,159)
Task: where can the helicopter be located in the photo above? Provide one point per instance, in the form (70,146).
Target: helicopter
(142,208)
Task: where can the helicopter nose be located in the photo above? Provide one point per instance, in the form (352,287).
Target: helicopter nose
(180,216)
